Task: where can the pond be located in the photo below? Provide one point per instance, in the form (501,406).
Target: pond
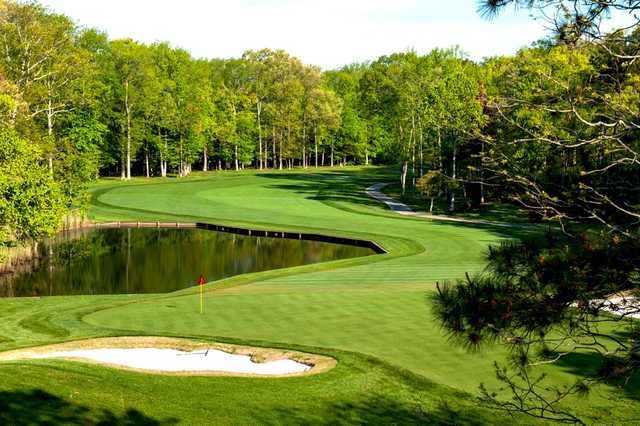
(156,260)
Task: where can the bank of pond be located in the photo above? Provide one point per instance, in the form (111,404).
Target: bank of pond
(129,260)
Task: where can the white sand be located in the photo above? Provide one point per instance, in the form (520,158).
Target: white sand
(172,360)
(629,306)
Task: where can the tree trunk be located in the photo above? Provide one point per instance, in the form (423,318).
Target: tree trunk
(146,161)
(50,269)
(315,141)
(413,151)
(163,162)
(420,152)
(403,175)
(128,111)
(235,157)
(421,155)
(331,154)
(431,206)
(323,158)
(452,195)
(274,146)
(481,174)
(304,148)
(440,166)
(259,109)
(280,154)
(205,160)
(465,195)
(266,155)
(181,167)
(366,157)
(50,133)
(413,168)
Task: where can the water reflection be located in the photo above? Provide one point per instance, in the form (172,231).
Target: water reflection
(148,260)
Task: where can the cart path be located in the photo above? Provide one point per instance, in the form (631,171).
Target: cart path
(374,191)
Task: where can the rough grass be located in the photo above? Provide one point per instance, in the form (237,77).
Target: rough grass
(371,314)
(492,212)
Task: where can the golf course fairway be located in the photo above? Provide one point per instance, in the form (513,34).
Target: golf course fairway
(394,364)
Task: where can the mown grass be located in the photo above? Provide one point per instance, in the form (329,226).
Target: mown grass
(395,364)
(492,212)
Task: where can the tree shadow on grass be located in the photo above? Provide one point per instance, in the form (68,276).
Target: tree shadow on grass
(587,365)
(37,407)
(337,187)
(329,185)
(373,410)
(498,231)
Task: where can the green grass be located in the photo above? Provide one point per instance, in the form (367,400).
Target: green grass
(394,363)
(492,212)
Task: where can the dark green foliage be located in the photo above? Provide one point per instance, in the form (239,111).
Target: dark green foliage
(530,287)
(546,299)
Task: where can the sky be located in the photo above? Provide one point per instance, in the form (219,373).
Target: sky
(327,33)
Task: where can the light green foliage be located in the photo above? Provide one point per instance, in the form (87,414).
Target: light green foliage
(155,110)
(31,204)
(326,117)
(556,140)
(11,104)
(429,104)
(50,69)
(132,81)
(431,185)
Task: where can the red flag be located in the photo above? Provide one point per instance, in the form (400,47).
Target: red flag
(201,280)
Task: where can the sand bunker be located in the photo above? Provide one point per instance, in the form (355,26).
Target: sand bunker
(173,360)
(180,356)
(619,305)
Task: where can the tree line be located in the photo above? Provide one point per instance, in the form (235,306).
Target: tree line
(122,107)
(535,127)
(526,126)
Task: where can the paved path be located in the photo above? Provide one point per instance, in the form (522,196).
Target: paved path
(374,191)
(396,206)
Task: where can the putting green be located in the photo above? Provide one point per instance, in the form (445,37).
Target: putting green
(370,313)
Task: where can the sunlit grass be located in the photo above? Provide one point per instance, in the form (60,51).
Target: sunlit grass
(394,362)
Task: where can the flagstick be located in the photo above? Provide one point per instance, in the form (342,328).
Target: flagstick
(201,298)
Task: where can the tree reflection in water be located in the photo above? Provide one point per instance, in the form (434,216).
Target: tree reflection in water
(156,260)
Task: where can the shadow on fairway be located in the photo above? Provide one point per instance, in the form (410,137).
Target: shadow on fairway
(37,407)
(330,185)
(374,411)
(337,187)
(587,365)
(499,231)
